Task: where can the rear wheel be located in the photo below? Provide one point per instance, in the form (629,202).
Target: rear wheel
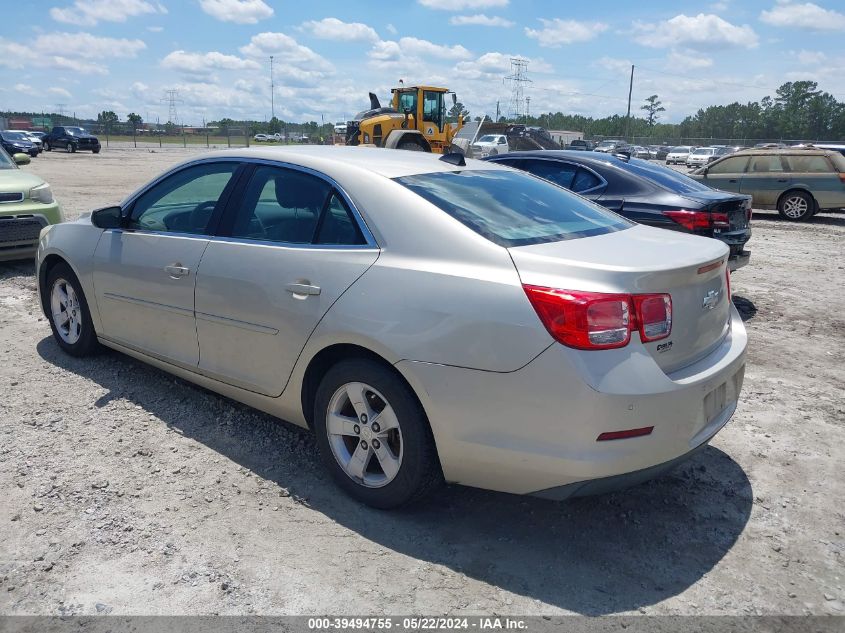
(47,146)
(411,146)
(796,206)
(70,318)
(374,436)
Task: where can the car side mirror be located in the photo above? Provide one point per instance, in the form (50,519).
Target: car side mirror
(107,218)
(21,159)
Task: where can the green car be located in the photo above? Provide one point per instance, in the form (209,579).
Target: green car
(797,181)
(26,206)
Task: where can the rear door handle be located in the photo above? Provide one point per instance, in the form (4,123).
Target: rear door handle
(733,180)
(177,271)
(303,289)
(783,180)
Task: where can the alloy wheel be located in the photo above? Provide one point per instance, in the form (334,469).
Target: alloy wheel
(364,434)
(795,207)
(66,311)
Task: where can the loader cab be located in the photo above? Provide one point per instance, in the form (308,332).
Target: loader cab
(427,107)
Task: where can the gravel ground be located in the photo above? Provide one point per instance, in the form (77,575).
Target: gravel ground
(130,492)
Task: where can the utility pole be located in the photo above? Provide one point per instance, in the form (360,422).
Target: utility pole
(518,78)
(628,117)
(497,112)
(272,92)
(527,108)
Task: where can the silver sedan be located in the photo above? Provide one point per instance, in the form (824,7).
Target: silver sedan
(429,319)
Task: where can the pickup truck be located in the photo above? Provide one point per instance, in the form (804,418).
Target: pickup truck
(71,139)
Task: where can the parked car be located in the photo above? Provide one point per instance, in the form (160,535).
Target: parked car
(704,155)
(26,206)
(646,193)
(770,146)
(261,137)
(33,138)
(797,182)
(519,339)
(17,143)
(638,151)
(71,139)
(832,146)
(611,146)
(582,145)
(678,155)
(490,145)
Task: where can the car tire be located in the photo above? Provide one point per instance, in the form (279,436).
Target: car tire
(796,206)
(354,446)
(47,147)
(411,146)
(96,151)
(70,318)
(71,148)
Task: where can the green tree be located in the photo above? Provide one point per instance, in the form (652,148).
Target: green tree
(135,120)
(455,111)
(653,107)
(108,119)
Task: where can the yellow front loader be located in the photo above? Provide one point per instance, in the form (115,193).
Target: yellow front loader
(416,120)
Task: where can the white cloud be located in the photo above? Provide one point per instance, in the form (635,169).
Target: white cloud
(334,29)
(89,12)
(391,29)
(24,89)
(495,65)
(410,49)
(461,5)
(479,20)
(60,92)
(614,64)
(685,60)
(557,32)
(286,49)
(811,57)
(237,11)
(807,16)
(700,31)
(76,52)
(204,63)
(155,29)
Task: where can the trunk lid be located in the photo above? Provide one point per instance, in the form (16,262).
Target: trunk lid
(644,260)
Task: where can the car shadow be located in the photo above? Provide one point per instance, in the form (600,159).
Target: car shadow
(828,219)
(746,308)
(594,556)
(17,268)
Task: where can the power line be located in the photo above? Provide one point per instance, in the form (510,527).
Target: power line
(172,99)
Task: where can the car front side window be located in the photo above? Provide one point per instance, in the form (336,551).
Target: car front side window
(183,202)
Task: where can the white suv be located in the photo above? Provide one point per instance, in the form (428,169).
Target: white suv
(490,145)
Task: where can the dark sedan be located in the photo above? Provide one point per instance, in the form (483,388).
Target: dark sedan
(646,193)
(17,143)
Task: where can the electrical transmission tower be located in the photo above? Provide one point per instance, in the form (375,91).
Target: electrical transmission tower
(172,99)
(518,78)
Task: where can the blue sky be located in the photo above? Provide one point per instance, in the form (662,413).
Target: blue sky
(122,55)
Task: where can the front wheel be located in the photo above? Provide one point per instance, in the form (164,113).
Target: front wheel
(70,318)
(96,151)
(411,146)
(796,206)
(47,147)
(71,148)
(374,436)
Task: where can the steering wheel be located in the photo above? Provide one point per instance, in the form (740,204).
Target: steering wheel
(202,214)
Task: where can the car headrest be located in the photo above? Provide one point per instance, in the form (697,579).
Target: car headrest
(300,191)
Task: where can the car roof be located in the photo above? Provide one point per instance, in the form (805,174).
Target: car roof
(330,159)
(811,151)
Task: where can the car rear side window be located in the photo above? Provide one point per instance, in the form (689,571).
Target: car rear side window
(585,180)
(765,164)
(512,208)
(813,164)
(560,173)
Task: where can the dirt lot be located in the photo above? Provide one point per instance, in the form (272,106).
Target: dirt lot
(126,491)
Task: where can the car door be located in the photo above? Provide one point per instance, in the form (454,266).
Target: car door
(287,250)
(765,179)
(726,174)
(816,174)
(144,274)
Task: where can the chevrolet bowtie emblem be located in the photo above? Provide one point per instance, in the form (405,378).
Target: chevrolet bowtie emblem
(711,299)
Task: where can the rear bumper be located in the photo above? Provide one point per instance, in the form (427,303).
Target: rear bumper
(536,429)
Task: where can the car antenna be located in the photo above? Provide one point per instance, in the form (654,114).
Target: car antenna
(454,158)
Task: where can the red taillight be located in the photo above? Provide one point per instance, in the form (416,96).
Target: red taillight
(699,220)
(598,320)
(842,177)
(654,316)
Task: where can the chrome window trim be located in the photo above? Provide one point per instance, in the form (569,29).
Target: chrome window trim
(556,160)
(369,238)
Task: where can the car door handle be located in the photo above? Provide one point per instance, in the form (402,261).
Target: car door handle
(177,271)
(303,289)
(783,180)
(733,180)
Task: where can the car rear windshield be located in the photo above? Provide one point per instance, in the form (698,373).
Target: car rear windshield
(680,150)
(668,178)
(512,208)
